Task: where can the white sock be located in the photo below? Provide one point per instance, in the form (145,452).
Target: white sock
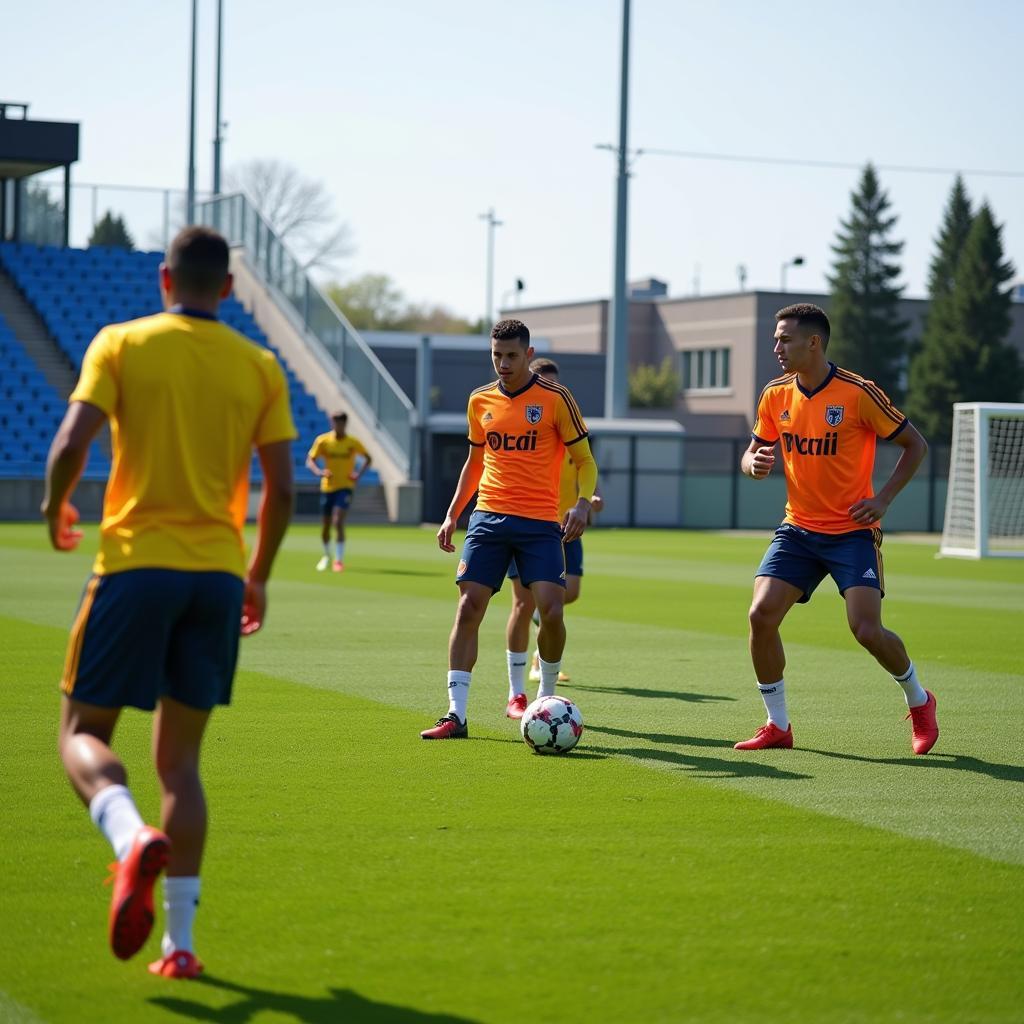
(912,688)
(181,897)
(327,549)
(115,814)
(339,550)
(774,697)
(516,673)
(458,693)
(548,677)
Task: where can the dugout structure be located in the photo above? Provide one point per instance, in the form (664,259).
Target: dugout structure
(985,500)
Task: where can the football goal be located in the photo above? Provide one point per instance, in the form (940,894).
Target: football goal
(985,499)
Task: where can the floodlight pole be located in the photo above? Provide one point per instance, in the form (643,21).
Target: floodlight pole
(190,198)
(492,223)
(217,139)
(616,392)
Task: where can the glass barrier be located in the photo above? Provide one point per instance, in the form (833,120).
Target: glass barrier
(242,224)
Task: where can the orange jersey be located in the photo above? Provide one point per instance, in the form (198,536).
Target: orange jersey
(524,435)
(827,442)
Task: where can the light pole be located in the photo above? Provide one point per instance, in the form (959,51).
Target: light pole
(492,223)
(218,124)
(190,198)
(796,261)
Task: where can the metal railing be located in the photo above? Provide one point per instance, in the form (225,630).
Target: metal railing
(334,340)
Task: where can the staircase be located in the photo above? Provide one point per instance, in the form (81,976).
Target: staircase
(35,339)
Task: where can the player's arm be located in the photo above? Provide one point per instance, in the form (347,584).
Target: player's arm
(356,475)
(314,466)
(757,461)
(274,515)
(469,481)
(64,464)
(915,447)
(578,516)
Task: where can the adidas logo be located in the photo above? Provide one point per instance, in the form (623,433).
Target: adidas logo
(487,417)
(784,418)
(869,575)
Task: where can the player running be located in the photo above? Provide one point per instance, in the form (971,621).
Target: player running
(827,419)
(158,624)
(338,478)
(517,632)
(519,428)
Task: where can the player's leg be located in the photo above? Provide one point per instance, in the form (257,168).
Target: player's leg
(550,601)
(573,584)
(485,557)
(789,572)
(340,512)
(177,738)
(864,615)
(517,644)
(326,509)
(203,653)
(115,658)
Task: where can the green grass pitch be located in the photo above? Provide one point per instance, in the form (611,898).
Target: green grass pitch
(356,873)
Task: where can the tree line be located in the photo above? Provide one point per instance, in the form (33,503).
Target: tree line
(962,354)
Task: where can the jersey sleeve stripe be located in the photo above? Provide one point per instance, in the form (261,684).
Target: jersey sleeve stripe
(876,393)
(760,440)
(582,437)
(574,412)
(898,430)
(778,382)
(485,387)
(475,444)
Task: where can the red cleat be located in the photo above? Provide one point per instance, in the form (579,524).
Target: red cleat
(180,964)
(769,735)
(924,725)
(447,728)
(131,907)
(338,566)
(516,706)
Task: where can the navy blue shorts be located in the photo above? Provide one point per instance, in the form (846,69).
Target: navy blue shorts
(493,541)
(144,634)
(573,560)
(330,500)
(804,559)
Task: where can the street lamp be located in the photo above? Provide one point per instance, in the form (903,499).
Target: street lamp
(796,261)
(492,223)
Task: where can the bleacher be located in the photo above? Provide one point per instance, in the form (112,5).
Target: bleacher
(76,292)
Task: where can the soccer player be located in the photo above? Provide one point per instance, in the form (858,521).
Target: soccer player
(158,625)
(517,632)
(827,420)
(519,428)
(338,478)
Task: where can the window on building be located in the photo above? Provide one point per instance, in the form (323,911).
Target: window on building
(705,369)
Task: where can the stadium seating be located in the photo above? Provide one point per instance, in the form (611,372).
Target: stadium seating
(76,292)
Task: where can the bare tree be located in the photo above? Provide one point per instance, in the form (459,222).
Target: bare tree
(299,209)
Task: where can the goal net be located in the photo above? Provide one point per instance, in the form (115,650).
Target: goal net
(985,499)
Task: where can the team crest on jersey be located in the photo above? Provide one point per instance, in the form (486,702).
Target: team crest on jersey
(533,413)
(834,415)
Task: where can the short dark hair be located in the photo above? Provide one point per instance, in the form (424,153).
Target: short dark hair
(511,330)
(544,365)
(806,314)
(198,260)
(339,415)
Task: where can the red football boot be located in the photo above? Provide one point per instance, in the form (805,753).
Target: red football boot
(769,735)
(131,906)
(516,706)
(180,964)
(924,725)
(447,728)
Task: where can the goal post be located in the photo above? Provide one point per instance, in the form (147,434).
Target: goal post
(985,496)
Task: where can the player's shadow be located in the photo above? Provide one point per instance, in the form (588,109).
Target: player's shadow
(662,737)
(574,755)
(951,762)
(637,691)
(338,1006)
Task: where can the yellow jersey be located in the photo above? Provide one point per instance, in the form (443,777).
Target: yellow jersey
(188,399)
(524,435)
(339,455)
(828,444)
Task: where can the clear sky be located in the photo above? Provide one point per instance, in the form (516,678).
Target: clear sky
(419,116)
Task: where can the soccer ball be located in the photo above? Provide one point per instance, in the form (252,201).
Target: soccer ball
(552,725)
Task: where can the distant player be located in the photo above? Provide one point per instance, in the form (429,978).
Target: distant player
(519,428)
(158,625)
(338,478)
(517,633)
(827,420)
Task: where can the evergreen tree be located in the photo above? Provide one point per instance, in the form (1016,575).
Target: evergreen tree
(111,230)
(966,358)
(868,335)
(956,226)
